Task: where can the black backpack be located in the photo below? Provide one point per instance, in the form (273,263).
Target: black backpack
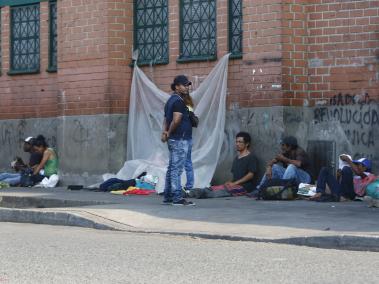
(26,178)
(278,189)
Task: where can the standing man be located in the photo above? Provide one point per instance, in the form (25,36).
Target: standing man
(177,132)
(294,160)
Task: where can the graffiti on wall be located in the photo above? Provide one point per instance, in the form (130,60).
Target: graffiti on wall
(358,116)
(265,128)
(13,133)
(348,99)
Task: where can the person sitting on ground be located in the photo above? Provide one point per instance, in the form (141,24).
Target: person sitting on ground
(49,163)
(346,185)
(243,169)
(294,160)
(18,165)
(245,164)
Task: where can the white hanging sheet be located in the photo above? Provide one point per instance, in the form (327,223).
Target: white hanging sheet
(145,151)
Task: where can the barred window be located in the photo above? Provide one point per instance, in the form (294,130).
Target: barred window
(198,30)
(25,45)
(53,36)
(235,27)
(151,31)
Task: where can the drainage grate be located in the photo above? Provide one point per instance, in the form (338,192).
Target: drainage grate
(321,153)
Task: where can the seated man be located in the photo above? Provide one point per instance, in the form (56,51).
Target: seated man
(351,179)
(294,160)
(245,164)
(244,170)
(13,179)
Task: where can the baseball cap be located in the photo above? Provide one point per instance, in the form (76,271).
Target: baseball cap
(365,162)
(29,139)
(289,140)
(180,80)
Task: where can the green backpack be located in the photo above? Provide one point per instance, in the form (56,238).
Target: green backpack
(278,189)
(372,189)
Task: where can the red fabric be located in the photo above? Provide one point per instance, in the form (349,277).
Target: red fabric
(360,184)
(139,192)
(235,190)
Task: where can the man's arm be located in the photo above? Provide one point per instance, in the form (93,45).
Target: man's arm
(285,160)
(352,165)
(176,120)
(268,171)
(249,176)
(164,135)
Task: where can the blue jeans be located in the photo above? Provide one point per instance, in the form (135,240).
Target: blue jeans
(344,186)
(189,168)
(11,179)
(291,172)
(178,150)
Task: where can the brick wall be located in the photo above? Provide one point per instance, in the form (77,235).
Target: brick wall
(295,56)
(343,48)
(120,40)
(83,57)
(32,95)
(295,53)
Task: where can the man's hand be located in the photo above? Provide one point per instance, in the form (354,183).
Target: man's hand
(20,161)
(268,172)
(339,174)
(164,136)
(230,183)
(345,158)
(281,158)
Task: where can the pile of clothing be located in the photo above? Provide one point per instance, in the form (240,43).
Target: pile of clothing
(144,184)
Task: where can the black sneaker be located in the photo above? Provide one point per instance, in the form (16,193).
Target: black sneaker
(167,202)
(183,202)
(253,194)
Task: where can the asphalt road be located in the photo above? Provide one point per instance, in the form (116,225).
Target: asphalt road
(51,254)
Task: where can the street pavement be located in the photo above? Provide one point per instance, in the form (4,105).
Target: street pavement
(349,225)
(54,254)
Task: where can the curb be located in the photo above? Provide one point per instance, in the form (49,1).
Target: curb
(50,218)
(341,242)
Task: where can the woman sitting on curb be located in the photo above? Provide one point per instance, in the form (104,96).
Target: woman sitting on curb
(49,162)
(351,180)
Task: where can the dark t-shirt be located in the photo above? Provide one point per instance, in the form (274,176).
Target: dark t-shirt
(300,155)
(242,166)
(176,104)
(35,159)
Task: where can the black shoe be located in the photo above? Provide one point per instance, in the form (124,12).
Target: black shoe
(167,202)
(183,202)
(327,198)
(253,194)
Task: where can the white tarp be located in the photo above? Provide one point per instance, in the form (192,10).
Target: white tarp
(145,151)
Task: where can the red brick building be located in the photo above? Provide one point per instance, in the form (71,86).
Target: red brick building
(309,68)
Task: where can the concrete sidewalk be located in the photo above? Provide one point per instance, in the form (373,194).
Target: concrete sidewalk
(350,225)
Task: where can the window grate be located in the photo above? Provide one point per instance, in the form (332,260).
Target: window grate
(53,44)
(198,29)
(235,27)
(151,31)
(25,45)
